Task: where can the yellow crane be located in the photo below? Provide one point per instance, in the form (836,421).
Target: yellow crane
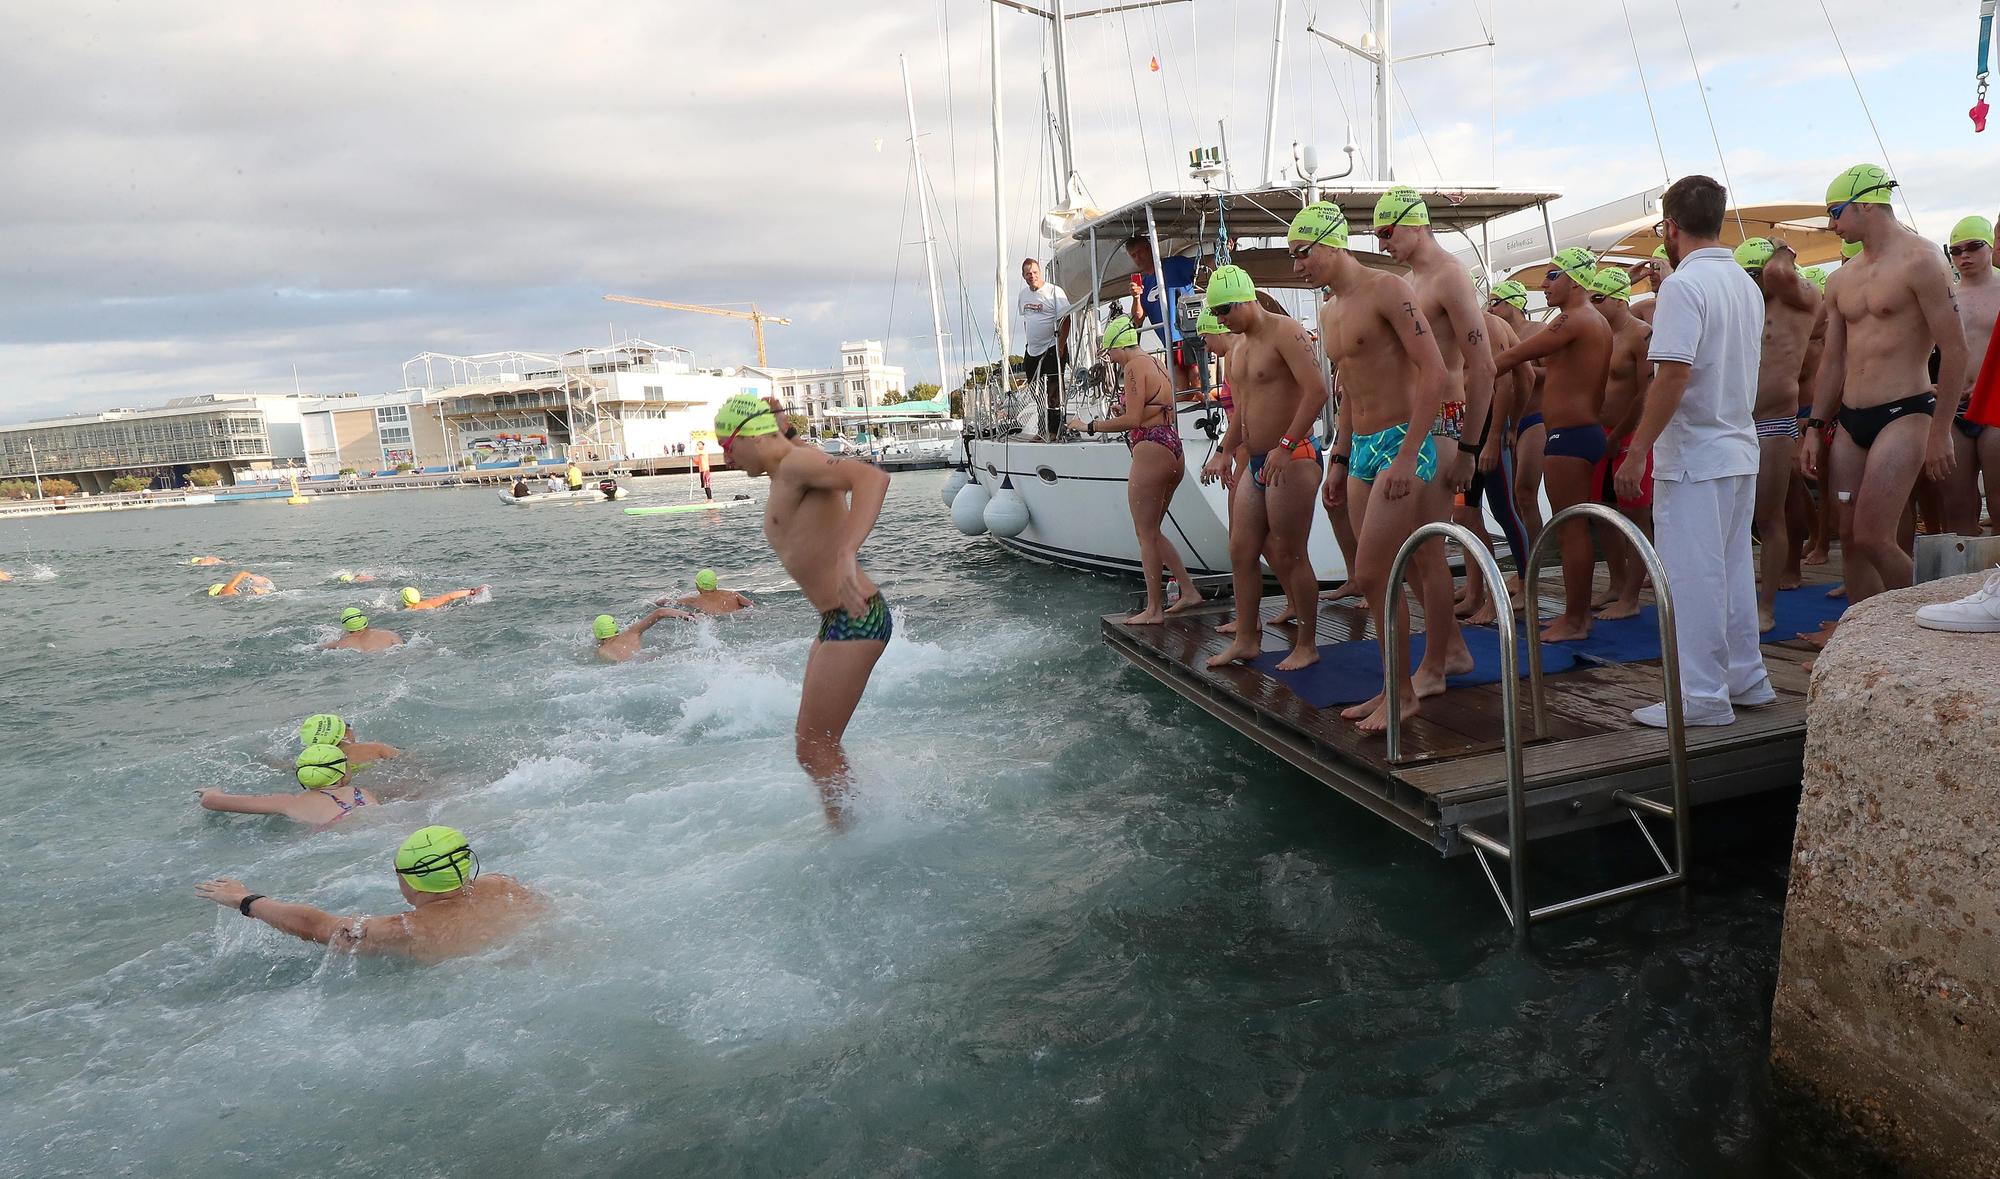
(755,315)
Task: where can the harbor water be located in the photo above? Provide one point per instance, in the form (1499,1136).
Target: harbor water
(1075,926)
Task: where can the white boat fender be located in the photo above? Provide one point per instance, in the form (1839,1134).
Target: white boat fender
(968,509)
(953,484)
(1007,513)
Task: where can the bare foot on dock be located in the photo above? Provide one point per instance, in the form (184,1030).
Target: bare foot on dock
(1486,615)
(1238,652)
(1186,602)
(1469,605)
(1146,618)
(1338,592)
(1603,597)
(1565,630)
(1839,591)
(1815,557)
(1363,710)
(1789,579)
(1767,619)
(1300,657)
(1289,618)
(1620,608)
(1378,721)
(1427,684)
(1227,628)
(1820,637)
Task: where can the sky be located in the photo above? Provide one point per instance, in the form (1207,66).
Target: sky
(228,197)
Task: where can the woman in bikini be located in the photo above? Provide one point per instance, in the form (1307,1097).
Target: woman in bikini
(1146,414)
(322,771)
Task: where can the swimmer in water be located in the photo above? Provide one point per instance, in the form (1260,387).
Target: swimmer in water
(413,600)
(346,577)
(204,560)
(616,646)
(325,728)
(820,511)
(329,798)
(456,911)
(710,600)
(360,636)
(243,583)
(5,576)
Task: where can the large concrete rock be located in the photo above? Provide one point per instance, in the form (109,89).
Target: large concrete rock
(1887,1016)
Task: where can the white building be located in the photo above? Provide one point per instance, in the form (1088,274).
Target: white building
(861,381)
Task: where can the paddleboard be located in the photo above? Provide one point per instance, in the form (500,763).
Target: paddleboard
(700,507)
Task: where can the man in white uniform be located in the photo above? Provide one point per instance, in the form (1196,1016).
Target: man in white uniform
(1707,340)
(1044,320)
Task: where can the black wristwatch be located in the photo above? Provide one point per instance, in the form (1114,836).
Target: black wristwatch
(1090,427)
(243,906)
(1337,458)
(1815,424)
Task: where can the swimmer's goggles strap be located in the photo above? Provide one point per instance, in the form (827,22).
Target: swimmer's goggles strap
(762,413)
(453,859)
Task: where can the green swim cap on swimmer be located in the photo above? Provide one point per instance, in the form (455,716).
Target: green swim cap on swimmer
(1228,286)
(1318,224)
(745,415)
(1972,229)
(215,590)
(705,580)
(1401,205)
(352,619)
(1863,184)
(604,627)
(322,728)
(343,577)
(410,595)
(320,766)
(1612,283)
(1754,253)
(1816,275)
(1208,325)
(1580,264)
(1509,292)
(1120,333)
(436,859)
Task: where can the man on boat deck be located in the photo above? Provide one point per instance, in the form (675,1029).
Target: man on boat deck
(1383,453)
(1887,308)
(1179,273)
(1698,425)
(1624,393)
(1449,304)
(820,511)
(455,911)
(360,636)
(1791,306)
(616,646)
(1044,311)
(1278,388)
(1577,350)
(709,598)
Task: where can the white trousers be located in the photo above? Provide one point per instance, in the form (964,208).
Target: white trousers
(1702,531)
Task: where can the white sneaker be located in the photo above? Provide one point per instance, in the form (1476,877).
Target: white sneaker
(1654,716)
(1756,697)
(1978,612)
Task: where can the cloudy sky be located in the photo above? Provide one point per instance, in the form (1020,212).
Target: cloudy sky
(206,197)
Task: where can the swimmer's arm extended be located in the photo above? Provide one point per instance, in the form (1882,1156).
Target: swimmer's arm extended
(301,921)
(743,603)
(645,624)
(244,804)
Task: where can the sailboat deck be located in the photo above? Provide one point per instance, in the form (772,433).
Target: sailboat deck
(1452,771)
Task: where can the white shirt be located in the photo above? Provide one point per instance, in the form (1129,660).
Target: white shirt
(1711,318)
(1041,310)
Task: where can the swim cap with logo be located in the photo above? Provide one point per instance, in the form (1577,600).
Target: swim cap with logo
(1816,275)
(322,728)
(352,619)
(1580,264)
(436,859)
(1864,184)
(1612,283)
(705,580)
(1401,205)
(1972,229)
(1509,292)
(320,766)
(1229,285)
(1319,224)
(604,627)
(1208,325)
(1849,249)
(1754,253)
(745,415)
(1120,333)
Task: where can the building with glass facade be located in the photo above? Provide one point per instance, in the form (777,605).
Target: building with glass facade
(159,444)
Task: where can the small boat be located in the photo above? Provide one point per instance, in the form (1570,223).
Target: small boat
(741,501)
(581,496)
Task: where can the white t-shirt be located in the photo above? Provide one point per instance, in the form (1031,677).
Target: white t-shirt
(1711,318)
(1041,311)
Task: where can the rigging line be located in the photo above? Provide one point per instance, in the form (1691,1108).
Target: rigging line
(957,262)
(1701,88)
(1883,148)
(1166,99)
(1658,143)
(951,119)
(1138,109)
(1319,47)
(1418,124)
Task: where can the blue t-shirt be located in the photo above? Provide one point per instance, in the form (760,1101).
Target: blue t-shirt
(1179,273)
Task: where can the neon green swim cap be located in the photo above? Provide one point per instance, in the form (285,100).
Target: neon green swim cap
(343,576)
(1754,253)
(1972,229)
(1319,224)
(352,619)
(1863,184)
(215,589)
(320,766)
(1208,325)
(1580,264)
(436,859)
(1816,275)
(1849,249)
(410,595)
(1509,292)
(1612,283)
(1229,285)
(322,728)
(744,416)
(1120,333)
(1660,252)
(705,580)
(604,627)
(1401,205)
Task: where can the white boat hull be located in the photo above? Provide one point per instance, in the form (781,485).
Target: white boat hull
(586,495)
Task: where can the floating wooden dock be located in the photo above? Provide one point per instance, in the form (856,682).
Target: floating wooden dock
(1452,774)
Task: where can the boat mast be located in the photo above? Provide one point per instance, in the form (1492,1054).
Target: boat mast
(1384,78)
(1058,19)
(924,208)
(1271,102)
(999,208)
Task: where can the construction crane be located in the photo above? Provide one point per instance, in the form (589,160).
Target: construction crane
(755,315)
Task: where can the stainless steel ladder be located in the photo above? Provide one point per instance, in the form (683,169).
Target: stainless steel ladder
(1514,902)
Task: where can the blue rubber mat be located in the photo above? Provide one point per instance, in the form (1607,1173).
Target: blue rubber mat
(1350,672)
